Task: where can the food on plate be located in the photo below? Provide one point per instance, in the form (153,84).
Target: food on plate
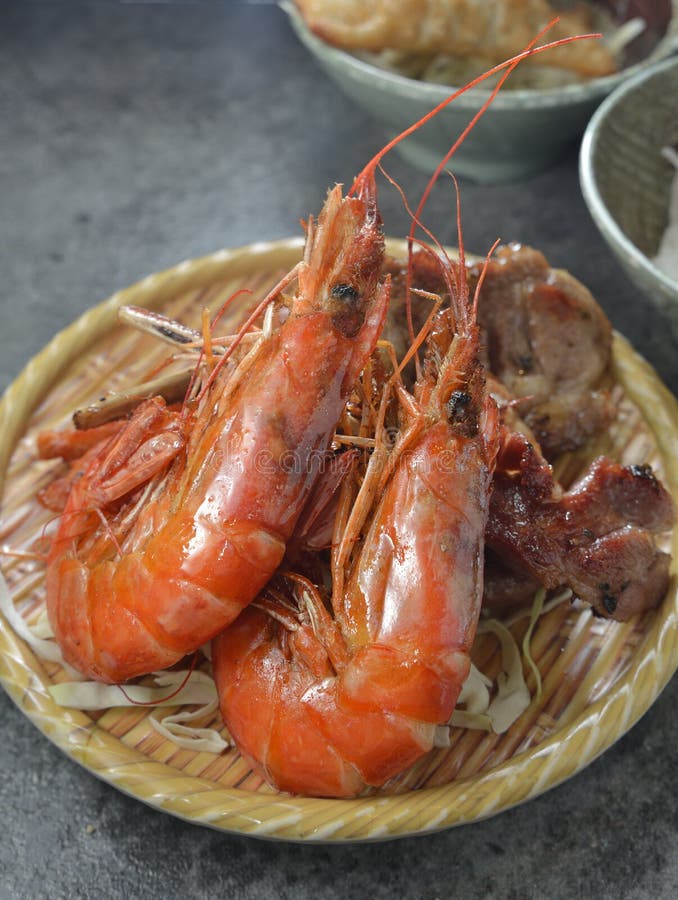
(315,679)
(337,666)
(449,41)
(547,353)
(549,343)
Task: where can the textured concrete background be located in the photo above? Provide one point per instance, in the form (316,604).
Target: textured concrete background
(133,136)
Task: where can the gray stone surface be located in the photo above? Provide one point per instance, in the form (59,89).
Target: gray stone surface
(135,135)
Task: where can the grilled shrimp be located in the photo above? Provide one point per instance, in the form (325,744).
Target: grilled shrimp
(330,703)
(178,521)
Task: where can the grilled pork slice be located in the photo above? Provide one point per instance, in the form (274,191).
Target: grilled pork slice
(549,343)
(598,538)
(546,339)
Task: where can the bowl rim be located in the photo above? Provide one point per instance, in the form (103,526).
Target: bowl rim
(506,100)
(589,184)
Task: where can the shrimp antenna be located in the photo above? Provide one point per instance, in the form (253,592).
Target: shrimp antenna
(460,297)
(226,355)
(251,319)
(411,239)
(455,288)
(412,214)
(481,279)
(509,64)
(171,696)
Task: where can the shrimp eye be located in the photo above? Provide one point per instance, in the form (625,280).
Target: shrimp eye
(461,413)
(456,405)
(345,292)
(349,313)
(644,471)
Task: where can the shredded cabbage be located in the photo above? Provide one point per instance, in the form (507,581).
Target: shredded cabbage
(199,688)
(535,613)
(171,689)
(190,737)
(475,694)
(42,627)
(513,697)
(44,648)
(510,701)
(462,718)
(624,34)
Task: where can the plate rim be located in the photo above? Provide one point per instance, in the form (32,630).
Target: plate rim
(302,819)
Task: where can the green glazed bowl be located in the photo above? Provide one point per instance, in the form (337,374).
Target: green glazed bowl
(524,130)
(626,181)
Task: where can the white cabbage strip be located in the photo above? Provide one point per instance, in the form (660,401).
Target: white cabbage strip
(38,638)
(622,36)
(171,689)
(536,612)
(512,695)
(511,699)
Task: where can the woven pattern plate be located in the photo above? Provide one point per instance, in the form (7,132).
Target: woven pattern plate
(598,676)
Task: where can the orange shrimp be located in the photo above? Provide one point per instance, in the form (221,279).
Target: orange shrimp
(330,704)
(178,522)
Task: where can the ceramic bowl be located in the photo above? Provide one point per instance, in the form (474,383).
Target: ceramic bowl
(524,130)
(626,181)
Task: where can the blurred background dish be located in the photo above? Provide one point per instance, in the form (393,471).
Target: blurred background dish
(525,130)
(626,178)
